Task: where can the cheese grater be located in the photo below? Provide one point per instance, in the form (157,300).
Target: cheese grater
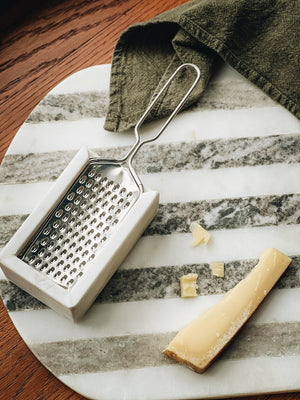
(74,240)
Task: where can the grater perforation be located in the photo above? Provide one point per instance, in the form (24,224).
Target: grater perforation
(79,218)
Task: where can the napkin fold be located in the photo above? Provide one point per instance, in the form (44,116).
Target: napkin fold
(259,38)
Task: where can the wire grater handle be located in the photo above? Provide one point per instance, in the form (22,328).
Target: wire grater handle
(140,142)
(129,157)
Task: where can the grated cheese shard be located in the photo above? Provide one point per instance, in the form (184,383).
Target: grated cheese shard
(188,285)
(201,341)
(217,269)
(200,235)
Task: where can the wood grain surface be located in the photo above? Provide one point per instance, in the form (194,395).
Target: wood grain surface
(42,42)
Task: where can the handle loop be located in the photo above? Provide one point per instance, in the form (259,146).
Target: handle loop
(140,142)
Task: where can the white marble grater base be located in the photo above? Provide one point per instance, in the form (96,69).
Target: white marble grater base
(73,298)
(232,163)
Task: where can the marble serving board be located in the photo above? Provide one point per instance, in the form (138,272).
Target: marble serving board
(232,163)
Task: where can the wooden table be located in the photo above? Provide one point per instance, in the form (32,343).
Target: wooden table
(41,44)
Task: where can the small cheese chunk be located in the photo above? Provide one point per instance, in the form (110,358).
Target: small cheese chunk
(200,235)
(217,269)
(200,342)
(188,285)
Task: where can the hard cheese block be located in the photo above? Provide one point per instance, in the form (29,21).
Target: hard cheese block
(199,343)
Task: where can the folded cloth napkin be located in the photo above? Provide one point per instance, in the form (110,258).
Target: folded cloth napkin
(259,38)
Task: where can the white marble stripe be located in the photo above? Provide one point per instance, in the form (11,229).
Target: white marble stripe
(212,184)
(275,179)
(89,80)
(143,317)
(240,377)
(97,78)
(22,198)
(197,125)
(225,245)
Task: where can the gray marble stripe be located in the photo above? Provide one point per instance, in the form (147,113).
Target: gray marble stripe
(158,283)
(212,214)
(34,167)
(8,226)
(231,95)
(145,350)
(226,214)
(163,282)
(75,106)
(70,107)
(207,154)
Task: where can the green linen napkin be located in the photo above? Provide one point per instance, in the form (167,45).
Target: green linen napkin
(259,38)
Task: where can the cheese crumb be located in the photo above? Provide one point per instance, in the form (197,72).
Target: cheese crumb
(188,285)
(200,235)
(217,269)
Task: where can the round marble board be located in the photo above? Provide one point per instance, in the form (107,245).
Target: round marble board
(232,164)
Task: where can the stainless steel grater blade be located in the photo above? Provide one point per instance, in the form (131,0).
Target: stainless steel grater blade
(82,222)
(69,247)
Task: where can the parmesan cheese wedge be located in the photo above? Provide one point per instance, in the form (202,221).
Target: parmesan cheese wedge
(200,342)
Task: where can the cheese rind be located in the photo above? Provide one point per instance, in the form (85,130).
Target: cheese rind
(188,285)
(200,342)
(200,235)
